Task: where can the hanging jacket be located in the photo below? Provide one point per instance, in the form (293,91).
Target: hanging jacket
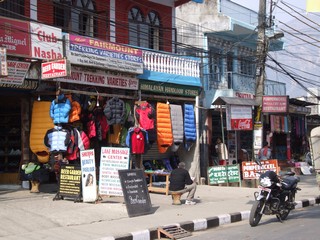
(190,134)
(41,122)
(164,127)
(177,126)
(57,139)
(138,140)
(115,111)
(145,115)
(60,109)
(75,111)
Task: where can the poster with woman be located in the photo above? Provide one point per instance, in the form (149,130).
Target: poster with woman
(88,175)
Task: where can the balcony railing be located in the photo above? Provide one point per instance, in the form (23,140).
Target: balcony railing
(166,63)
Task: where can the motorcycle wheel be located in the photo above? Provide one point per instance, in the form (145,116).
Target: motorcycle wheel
(255,215)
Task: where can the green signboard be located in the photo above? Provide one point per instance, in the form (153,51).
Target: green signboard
(223,174)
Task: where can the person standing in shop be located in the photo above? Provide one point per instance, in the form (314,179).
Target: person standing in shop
(222,152)
(180,181)
(264,152)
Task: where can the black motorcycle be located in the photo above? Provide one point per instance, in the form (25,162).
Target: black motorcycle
(276,196)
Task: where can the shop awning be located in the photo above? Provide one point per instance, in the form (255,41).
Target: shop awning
(235,101)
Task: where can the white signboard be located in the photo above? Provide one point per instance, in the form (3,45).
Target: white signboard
(46,41)
(100,54)
(16,72)
(101,78)
(3,62)
(112,159)
(88,175)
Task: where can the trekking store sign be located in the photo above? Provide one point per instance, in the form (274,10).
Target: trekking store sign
(169,89)
(100,54)
(224,174)
(95,77)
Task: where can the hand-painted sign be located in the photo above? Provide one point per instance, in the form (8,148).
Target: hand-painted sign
(112,159)
(251,170)
(100,54)
(16,72)
(223,174)
(55,69)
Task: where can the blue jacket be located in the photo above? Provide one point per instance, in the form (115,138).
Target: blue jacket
(60,109)
(190,133)
(57,139)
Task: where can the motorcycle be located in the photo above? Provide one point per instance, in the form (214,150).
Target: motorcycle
(276,196)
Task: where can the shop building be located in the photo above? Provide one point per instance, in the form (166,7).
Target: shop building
(116,51)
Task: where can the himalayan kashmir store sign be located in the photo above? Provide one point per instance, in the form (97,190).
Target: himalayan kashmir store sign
(275,104)
(170,89)
(100,54)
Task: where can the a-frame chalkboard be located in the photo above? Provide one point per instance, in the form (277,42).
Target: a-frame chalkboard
(135,192)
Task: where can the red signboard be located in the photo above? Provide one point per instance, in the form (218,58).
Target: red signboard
(275,104)
(54,69)
(241,124)
(251,170)
(15,37)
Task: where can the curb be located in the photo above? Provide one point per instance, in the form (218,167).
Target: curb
(203,224)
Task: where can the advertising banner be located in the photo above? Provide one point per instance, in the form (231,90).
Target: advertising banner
(251,170)
(112,160)
(224,174)
(46,41)
(55,69)
(94,77)
(100,54)
(15,37)
(275,104)
(16,72)
(70,182)
(88,170)
(239,117)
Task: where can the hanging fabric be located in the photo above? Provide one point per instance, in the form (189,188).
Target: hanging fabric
(164,127)
(177,126)
(190,134)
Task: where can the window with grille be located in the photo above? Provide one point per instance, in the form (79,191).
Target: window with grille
(12,9)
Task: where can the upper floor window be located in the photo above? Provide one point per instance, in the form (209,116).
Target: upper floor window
(12,9)
(77,16)
(144,32)
(246,66)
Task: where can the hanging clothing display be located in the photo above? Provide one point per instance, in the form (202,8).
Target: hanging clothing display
(190,134)
(41,122)
(75,111)
(137,140)
(164,127)
(115,111)
(177,126)
(60,109)
(145,115)
(57,139)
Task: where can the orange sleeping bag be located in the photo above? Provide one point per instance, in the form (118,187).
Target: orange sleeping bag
(40,123)
(164,127)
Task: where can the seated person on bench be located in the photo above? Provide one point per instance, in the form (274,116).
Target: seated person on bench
(181,182)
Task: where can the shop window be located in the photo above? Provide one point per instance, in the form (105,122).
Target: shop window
(75,16)
(12,9)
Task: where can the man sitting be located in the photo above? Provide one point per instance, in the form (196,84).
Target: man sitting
(181,182)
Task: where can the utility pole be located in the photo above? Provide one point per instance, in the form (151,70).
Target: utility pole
(261,52)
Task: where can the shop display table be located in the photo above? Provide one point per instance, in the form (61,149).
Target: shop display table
(159,189)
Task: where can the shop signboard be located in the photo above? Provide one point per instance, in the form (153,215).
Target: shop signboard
(95,77)
(275,104)
(70,182)
(46,41)
(251,170)
(16,72)
(239,117)
(15,37)
(88,175)
(112,160)
(3,62)
(55,69)
(135,192)
(224,174)
(87,51)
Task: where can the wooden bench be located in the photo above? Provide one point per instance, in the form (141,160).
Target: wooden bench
(176,198)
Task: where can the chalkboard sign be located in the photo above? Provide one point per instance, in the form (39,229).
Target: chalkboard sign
(70,182)
(135,192)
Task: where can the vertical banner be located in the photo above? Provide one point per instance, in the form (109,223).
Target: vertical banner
(88,170)
(3,62)
(112,159)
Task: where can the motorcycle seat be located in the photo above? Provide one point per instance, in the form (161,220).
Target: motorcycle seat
(289,182)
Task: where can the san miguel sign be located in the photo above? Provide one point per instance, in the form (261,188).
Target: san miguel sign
(55,69)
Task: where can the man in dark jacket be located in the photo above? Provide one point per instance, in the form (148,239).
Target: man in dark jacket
(180,181)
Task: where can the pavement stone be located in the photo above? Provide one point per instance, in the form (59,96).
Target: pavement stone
(26,215)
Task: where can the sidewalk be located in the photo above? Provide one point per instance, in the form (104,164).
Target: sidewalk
(26,215)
